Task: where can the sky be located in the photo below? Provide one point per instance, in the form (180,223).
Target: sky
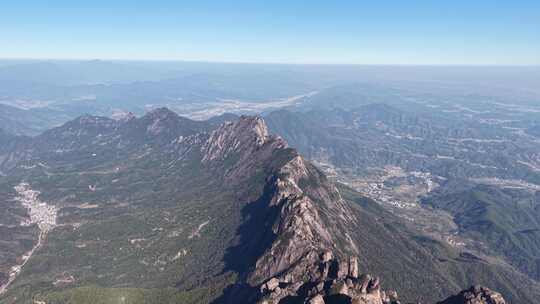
(457,32)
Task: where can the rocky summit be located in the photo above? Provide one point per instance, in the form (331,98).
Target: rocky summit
(338,282)
(331,281)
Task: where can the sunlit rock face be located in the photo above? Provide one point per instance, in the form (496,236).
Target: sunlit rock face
(327,280)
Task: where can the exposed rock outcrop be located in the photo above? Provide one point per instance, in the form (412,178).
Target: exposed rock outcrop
(242,148)
(330,280)
(243,136)
(476,295)
(311,258)
(302,233)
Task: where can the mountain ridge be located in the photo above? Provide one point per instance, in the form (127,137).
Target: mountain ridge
(276,214)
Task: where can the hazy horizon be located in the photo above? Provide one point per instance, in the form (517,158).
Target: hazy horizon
(348,32)
(150,60)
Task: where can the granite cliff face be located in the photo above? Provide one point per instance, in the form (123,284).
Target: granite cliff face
(329,280)
(312,257)
(239,149)
(303,228)
(297,193)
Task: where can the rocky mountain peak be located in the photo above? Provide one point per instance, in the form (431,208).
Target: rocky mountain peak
(123,116)
(243,136)
(331,280)
(85,126)
(160,120)
(337,281)
(164,125)
(161,113)
(251,127)
(257,125)
(320,277)
(310,223)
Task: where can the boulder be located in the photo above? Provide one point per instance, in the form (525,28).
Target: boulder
(271,285)
(353,267)
(476,295)
(318,299)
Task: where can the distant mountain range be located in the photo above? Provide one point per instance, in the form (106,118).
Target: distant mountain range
(103,87)
(55,91)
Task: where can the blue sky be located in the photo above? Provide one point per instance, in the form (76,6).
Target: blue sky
(359,32)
